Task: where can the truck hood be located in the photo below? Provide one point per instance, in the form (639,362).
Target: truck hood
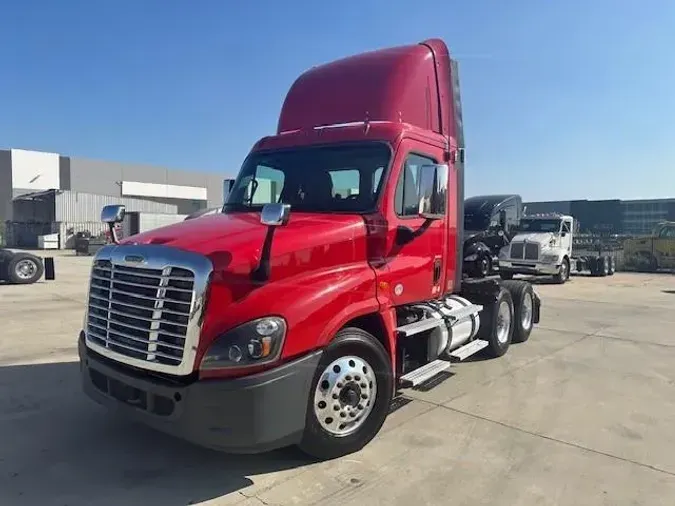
(535,237)
(234,241)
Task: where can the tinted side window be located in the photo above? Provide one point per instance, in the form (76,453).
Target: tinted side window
(407,188)
(566,227)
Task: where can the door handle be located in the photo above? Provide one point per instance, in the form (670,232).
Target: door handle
(438,263)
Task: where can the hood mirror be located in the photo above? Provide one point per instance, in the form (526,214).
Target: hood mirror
(112,215)
(433,191)
(275,215)
(272,215)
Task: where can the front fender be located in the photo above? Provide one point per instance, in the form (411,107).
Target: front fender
(315,305)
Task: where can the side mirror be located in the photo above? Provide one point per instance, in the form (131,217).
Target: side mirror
(433,191)
(275,215)
(113,213)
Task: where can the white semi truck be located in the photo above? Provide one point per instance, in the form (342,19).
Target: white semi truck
(543,246)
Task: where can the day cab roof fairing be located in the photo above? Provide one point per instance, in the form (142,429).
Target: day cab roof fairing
(395,85)
(379,95)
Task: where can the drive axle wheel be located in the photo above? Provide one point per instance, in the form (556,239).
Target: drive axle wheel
(24,269)
(350,395)
(496,324)
(523,308)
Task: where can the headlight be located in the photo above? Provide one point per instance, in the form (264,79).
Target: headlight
(549,259)
(253,343)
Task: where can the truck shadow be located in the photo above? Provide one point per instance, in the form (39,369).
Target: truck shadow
(78,453)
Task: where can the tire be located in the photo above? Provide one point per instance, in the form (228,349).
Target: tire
(5,256)
(24,269)
(564,272)
(523,309)
(484,265)
(593,266)
(612,266)
(603,267)
(491,329)
(351,348)
(505,275)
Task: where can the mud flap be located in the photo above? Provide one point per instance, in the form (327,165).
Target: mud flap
(50,273)
(537,307)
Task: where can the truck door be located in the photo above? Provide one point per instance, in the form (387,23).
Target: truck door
(566,236)
(415,261)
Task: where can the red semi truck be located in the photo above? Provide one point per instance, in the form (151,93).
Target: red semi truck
(331,280)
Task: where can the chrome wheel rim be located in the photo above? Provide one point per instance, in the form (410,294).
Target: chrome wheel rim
(484,266)
(25,269)
(526,311)
(503,322)
(563,270)
(345,395)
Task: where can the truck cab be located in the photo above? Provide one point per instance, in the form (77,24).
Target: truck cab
(489,222)
(652,252)
(331,279)
(542,246)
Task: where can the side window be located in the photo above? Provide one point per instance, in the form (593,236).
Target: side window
(407,190)
(345,182)
(566,227)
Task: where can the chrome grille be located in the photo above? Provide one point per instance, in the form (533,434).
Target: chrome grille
(531,251)
(147,313)
(517,250)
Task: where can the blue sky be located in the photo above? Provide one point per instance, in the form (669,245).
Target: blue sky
(562,100)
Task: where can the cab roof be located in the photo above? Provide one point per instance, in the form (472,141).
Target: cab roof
(395,85)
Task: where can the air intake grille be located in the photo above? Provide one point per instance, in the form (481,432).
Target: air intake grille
(531,251)
(517,250)
(139,312)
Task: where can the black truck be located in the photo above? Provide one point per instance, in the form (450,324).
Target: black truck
(489,223)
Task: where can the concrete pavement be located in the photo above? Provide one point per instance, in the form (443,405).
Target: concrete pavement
(581,414)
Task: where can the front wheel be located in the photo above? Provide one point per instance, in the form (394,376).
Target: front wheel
(350,395)
(563,273)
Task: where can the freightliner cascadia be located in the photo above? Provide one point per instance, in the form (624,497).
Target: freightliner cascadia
(331,280)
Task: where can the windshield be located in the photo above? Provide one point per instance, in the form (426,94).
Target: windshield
(552,225)
(475,219)
(344,178)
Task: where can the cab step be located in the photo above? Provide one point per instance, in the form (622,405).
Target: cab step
(451,316)
(422,374)
(464,352)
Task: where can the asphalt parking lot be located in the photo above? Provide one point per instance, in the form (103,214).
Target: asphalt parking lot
(582,414)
